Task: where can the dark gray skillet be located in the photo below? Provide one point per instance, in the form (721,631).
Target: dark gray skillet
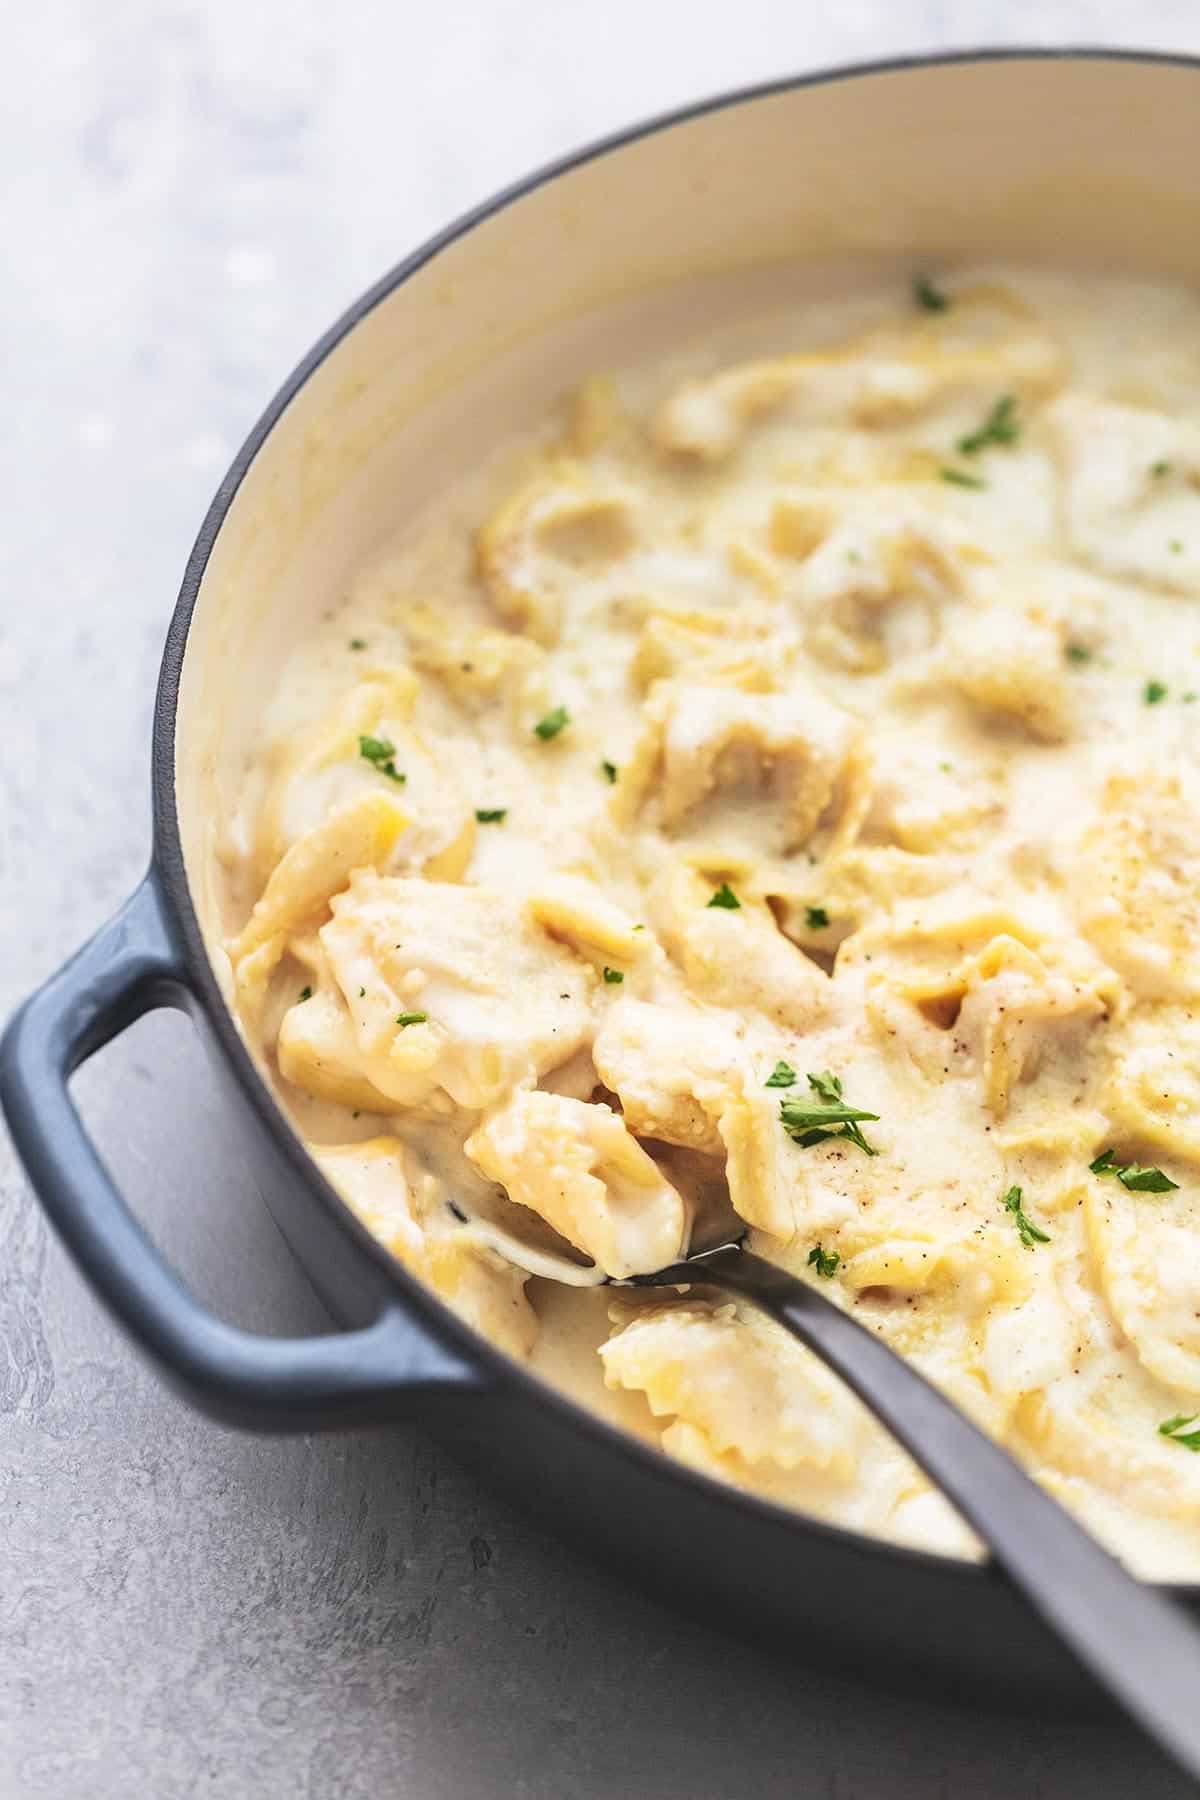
(792,1584)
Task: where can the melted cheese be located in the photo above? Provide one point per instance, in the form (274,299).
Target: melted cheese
(732,630)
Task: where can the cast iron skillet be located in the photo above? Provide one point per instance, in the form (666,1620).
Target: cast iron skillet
(800,1586)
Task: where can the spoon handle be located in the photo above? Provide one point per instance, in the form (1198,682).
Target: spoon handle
(1135,1641)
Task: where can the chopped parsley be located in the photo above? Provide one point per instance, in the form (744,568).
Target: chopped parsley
(816,918)
(960,478)
(381,751)
(1134,1176)
(552,724)
(362,993)
(612,976)
(304,994)
(491,815)
(1030,1235)
(358,643)
(610,770)
(1000,427)
(926,294)
(1175,546)
(726,898)
(1189,697)
(811,1122)
(1078,653)
(403,1019)
(1160,468)
(1173,1428)
(825,1262)
(1153,692)
(782,1075)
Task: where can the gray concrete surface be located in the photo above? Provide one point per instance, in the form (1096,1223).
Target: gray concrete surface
(191,192)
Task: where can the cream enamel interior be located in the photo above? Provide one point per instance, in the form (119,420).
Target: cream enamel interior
(682,234)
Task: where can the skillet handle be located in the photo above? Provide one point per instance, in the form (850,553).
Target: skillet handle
(130,967)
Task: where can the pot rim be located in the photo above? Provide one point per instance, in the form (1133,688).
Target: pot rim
(170,872)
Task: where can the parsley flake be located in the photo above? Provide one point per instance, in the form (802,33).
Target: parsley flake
(811,1122)
(1000,427)
(1160,468)
(960,478)
(1078,653)
(825,1262)
(782,1075)
(358,643)
(612,976)
(726,898)
(304,994)
(1153,692)
(1029,1233)
(416,1018)
(1173,1428)
(381,751)
(1175,546)
(491,815)
(816,918)
(926,294)
(552,724)
(610,770)
(1134,1176)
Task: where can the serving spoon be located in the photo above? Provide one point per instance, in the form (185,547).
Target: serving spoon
(1138,1644)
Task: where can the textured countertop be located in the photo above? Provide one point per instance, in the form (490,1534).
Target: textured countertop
(192,191)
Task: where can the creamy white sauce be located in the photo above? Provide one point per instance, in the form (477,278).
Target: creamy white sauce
(939,737)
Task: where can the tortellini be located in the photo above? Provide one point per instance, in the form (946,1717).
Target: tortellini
(671,1069)
(715,758)
(743,1382)
(1021,1009)
(368,743)
(1152,1095)
(1144,1251)
(885,377)
(735,956)
(577,910)
(875,579)
(1137,883)
(558,526)
(580,1169)
(475,668)
(1011,665)
(451,987)
(1131,490)
(361,834)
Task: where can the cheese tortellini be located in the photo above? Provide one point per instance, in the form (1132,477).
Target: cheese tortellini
(766,802)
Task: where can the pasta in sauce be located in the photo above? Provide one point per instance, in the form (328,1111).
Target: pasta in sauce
(774,786)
